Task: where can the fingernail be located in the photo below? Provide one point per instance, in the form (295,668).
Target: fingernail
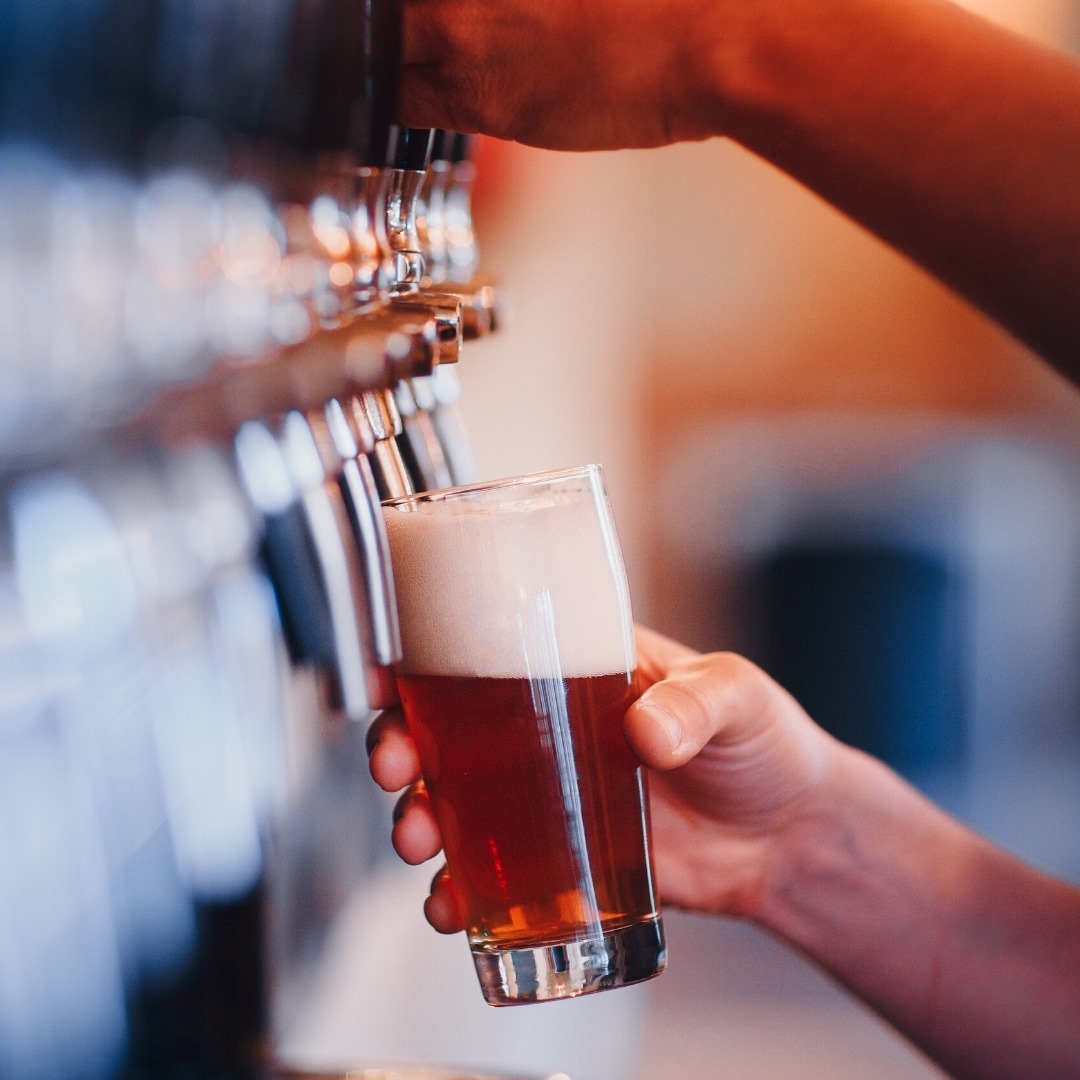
(663,721)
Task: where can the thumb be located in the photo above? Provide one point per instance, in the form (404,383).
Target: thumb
(717,697)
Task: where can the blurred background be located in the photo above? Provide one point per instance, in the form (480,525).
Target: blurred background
(816,456)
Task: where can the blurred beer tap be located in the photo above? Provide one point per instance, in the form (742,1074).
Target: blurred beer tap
(376,411)
(356,479)
(373,259)
(407,175)
(445,225)
(431,212)
(422,449)
(440,394)
(289,470)
(462,251)
(481,294)
(407,178)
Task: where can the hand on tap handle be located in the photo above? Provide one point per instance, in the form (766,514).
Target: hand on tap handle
(951,138)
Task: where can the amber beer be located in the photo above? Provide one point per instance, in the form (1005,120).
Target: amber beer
(518,669)
(495,772)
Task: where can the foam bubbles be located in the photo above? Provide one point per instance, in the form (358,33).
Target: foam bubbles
(510,590)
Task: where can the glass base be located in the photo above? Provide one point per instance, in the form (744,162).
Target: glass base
(622,957)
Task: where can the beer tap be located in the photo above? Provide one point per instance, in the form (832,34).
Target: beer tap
(461,247)
(289,474)
(446,239)
(407,178)
(369,418)
(406,181)
(423,451)
(445,390)
(444,221)
(433,442)
(375,411)
(431,213)
(372,255)
(360,491)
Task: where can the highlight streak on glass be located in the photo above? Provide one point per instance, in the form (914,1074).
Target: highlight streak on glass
(541,652)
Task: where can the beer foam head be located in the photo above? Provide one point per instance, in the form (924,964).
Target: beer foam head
(510,590)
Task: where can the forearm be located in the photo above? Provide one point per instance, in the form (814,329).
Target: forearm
(955,141)
(969,953)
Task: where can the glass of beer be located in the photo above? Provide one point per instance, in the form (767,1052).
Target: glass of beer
(519,665)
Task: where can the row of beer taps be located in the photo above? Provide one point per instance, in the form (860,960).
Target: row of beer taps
(269,370)
(233,291)
(321,334)
(413,295)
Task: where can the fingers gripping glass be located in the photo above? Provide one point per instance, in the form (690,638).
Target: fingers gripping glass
(518,667)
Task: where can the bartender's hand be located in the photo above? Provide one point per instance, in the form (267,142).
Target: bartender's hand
(737,766)
(898,112)
(560,74)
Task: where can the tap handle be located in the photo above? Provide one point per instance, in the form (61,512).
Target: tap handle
(450,426)
(379,410)
(414,149)
(286,549)
(383,51)
(379,147)
(362,497)
(309,551)
(324,88)
(461,247)
(419,442)
(309,453)
(460,148)
(441,145)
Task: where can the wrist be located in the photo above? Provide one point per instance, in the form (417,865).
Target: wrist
(878,885)
(742,69)
(868,842)
(965,950)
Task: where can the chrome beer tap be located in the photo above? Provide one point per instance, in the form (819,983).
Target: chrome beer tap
(431,214)
(423,451)
(433,442)
(289,474)
(445,389)
(359,489)
(375,411)
(444,221)
(406,180)
(407,176)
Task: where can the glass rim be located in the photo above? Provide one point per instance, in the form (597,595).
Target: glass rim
(524,480)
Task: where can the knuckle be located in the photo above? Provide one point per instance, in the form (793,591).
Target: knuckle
(744,691)
(720,688)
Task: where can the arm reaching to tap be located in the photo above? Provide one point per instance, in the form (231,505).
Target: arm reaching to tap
(760,814)
(952,139)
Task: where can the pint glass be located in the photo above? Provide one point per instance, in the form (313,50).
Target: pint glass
(518,667)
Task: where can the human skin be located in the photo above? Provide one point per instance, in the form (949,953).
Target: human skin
(759,814)
(954,140)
